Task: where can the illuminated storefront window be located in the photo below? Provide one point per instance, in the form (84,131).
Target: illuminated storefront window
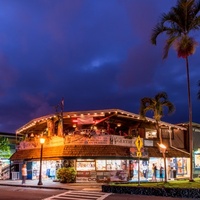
(197,160)
(110,164)
(85,165)
(150,133)
(105,170)
(48,169)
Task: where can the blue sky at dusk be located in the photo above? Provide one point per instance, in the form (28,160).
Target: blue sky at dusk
(96,54)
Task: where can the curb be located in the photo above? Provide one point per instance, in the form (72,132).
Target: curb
(35,186)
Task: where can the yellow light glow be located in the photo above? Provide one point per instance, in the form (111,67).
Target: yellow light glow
(162,146)
(119,124)
(42,140)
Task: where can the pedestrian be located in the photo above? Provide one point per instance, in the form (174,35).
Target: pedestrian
(24,174)
(154,168)
(161,173)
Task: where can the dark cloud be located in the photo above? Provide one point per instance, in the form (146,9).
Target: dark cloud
(95,54)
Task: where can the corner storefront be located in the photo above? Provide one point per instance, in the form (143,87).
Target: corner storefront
(101,147)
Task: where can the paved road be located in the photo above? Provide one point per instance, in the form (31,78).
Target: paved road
(79,195)
(28,193)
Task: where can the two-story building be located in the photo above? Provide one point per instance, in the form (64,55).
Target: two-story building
(102,145)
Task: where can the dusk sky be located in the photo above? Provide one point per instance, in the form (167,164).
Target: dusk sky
(96,54)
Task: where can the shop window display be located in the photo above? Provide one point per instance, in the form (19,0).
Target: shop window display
(181,166)
(85,170)
(197,160)
(111,164)
(85,165)
(159,172)
(48,169)
(117,170)
(102,170)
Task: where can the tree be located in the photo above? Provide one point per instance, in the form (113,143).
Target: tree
(198,94)
(156,105)
(178,24)
(4,148)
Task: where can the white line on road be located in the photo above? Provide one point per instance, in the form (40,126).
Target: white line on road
(80,195)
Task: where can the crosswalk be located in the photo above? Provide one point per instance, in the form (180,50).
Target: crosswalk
(79,195)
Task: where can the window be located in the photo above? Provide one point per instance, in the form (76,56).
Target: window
(85,165)
(197,160)
(165,133)
(150,133)
(111,164)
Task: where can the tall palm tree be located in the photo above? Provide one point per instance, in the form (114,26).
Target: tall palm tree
(198,94)
(178,24)
(157,106)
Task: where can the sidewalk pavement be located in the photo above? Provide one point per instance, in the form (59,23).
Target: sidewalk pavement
(50,184)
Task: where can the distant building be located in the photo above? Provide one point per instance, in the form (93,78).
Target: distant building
(5,168)
(196,147)
(102,145)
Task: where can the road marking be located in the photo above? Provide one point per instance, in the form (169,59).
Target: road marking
(80,195)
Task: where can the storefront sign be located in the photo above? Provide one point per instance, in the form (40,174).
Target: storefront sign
(85,140)
(86,176)
(121,141)
(148,143)
(101,140)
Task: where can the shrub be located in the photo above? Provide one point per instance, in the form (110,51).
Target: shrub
(66,175)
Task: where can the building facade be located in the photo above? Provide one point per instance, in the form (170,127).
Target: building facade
(5,167)
(103,145)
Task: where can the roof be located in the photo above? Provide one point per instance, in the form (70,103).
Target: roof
(72,151)
(41,121)
(185,124)
(154,152)
(88,151)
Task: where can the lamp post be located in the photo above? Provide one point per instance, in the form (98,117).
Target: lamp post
(163,151)
(42,140)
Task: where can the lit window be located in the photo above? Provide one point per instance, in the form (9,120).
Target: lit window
(150,133)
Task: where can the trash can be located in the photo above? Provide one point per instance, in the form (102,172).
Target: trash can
(15,175)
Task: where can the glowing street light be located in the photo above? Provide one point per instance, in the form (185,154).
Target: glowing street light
(163,148)
(42,141)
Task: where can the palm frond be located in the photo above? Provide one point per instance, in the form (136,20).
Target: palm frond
(179,21)
(156,105)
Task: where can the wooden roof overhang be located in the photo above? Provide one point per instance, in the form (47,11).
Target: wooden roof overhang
(73,151)
(88,151)
(39,124)
(170,153)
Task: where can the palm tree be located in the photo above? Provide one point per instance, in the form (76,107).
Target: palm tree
(198,94)
(157,106)
(178,24)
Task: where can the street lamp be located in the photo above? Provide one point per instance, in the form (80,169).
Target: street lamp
(163,151)
(42,140)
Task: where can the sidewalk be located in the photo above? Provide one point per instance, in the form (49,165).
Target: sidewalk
(50,184)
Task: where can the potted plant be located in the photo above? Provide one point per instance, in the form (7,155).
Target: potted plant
(66,175)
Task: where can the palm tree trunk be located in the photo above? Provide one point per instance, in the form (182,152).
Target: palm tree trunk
(190,120)
(158,131)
